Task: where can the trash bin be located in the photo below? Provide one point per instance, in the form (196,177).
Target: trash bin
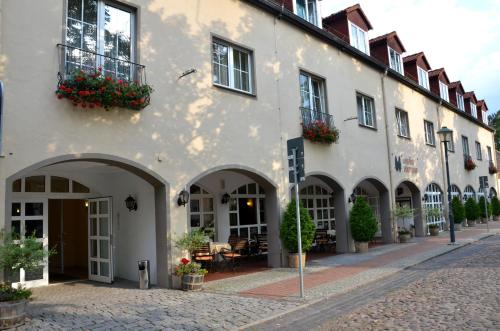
(143,274)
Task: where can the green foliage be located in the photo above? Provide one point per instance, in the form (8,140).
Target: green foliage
(192,241)
(495,206)
(433,226)
(363,223)
(471,209)
(27,253)
(458,210)
(433,212)
(482,209)
(288,229)
(7,293)
(403,212)
(187,267)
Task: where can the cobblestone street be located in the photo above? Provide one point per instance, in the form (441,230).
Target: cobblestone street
(464,295)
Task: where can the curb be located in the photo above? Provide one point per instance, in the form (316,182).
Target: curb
(310,303)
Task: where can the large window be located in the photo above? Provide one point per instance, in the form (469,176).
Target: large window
(232,66)
(395,61)
(312,93)
(430,138)
(460,102)
(201,209)
(423,77)
(359,38)
(307,9)
(473,110)
(403,123)
(479,154)
(319,202)
(102,27)
(443,91)
(465,146)
(469,193)
(490,157)
(247,211)
(433,199)
(366,110)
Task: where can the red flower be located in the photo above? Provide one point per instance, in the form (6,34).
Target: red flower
(184,261)
(108,78)
(59,96)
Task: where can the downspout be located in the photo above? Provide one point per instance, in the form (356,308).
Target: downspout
(389,158)
(443,169)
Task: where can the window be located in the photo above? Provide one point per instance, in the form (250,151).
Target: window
(307,9)
(465,146)
(490,158)
(443,91)
(359,38)
(479,154)
(366,110)
(469,193)
(434,200)
(312,93)
(423,78)
(429,133)
(247,211)
(485,117)
(473,110)
(201,210)
(395,61)
(403,123)
(232,66)
(460,102)
(320,205)
(102,27)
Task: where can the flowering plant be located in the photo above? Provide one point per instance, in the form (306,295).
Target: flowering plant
(492,168)
(320,132)
(96,90)
(469,164)
(187,267)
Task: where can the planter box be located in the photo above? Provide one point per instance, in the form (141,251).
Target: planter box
(192,282)
(293,260)
(404,238)
(12,314)
(434,231)
(361,247)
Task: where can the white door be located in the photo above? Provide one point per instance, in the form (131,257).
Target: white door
(100,236)
(29,217)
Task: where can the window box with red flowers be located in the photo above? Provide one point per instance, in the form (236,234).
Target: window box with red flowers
(97,90)
(492,168)
(469,163)
(320,132)
(192,275)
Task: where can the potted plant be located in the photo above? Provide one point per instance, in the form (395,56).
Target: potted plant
(363,224)
(434,229)
(471,211)
(15,254)
(192,275)
(402,213)
(433,214)
(288,233)
(458,211)
(320,132)
(192,241)
(484,209)
(469,164)
(495,208)
(492,169)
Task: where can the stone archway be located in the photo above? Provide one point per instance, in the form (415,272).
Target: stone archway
(408,190)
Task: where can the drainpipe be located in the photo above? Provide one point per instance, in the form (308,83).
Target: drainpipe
(389,158)
(443,169)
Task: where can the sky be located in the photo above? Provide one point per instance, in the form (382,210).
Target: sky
(463,36)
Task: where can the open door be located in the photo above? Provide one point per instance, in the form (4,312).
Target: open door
(100,240)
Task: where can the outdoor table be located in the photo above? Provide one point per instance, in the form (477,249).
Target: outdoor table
(217,247)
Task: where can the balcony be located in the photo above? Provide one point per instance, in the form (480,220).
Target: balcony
(318,127)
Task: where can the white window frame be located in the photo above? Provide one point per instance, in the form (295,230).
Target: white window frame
(490,156)
(317,17)
(402,123)
(430,137)
(469,193)
(260,199)
(398,66)
(465,146)
(355,34)
(230,65)
(311,80)
(473,109)
(479,153)
(460,102)
(434,200)
(202,212)
(423,77)
(443,91)
(364,111)
(484,116)
(314,202)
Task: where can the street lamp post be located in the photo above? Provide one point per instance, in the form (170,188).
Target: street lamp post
(446,136)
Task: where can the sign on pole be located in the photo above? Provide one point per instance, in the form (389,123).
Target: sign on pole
(483,185)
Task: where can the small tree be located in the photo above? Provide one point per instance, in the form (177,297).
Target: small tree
(482,210)
(288,229)
(192,241)
(458,210)
(495,206)
(363,223)
(471,210)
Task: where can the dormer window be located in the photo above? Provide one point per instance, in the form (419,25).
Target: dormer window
(359,38)
(308,10)
(460,102)
(473,110)
(423,77)
(443,91)
(395,61)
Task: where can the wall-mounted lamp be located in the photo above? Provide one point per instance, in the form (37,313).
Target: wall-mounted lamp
(352,198)
(425,197)
(131,203)
(225,198)
(86,204)
(183,198)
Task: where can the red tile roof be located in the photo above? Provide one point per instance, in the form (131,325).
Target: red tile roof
(482,104)
(347,11)
(415,56)
(437,72)
(470,95)
(386,36)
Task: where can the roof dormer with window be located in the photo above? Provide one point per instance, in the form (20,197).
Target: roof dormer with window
(482,111)
(470,102)
(351,25)
(388,49)
(306,9)
(438,80)
(456,93)
(417,68)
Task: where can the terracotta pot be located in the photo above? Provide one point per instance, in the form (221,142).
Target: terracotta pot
(458,226)
(361,247)
(12,314)
(434,231)
(192,282)
(293,260)
(471,223)
(404,238)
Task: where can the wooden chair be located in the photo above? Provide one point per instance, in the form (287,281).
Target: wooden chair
(321,239)
(262,243)
(204,256)
(238,247)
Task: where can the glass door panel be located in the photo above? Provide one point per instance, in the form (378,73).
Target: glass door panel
(100,233)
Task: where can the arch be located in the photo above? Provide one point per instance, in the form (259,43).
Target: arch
(469,192)
(455,191)
(416,205)
(433,199)
(378,183)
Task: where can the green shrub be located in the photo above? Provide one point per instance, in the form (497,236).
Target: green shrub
(288,229)
(458,210)
(471,209)
(433,226)
(363,223)
(482,209)
(192,241)
(495,206)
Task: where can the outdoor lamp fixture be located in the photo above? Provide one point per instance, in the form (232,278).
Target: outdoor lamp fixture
(183,198)
(352,198)
(225,198)
(446,136)
(131,203)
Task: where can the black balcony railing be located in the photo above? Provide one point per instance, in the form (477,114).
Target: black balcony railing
(310,116)
(73,59)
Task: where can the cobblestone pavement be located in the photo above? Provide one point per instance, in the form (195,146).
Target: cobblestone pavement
(85,305)
(462,295)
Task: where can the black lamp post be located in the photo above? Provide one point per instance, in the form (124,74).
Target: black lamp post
(446,136)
